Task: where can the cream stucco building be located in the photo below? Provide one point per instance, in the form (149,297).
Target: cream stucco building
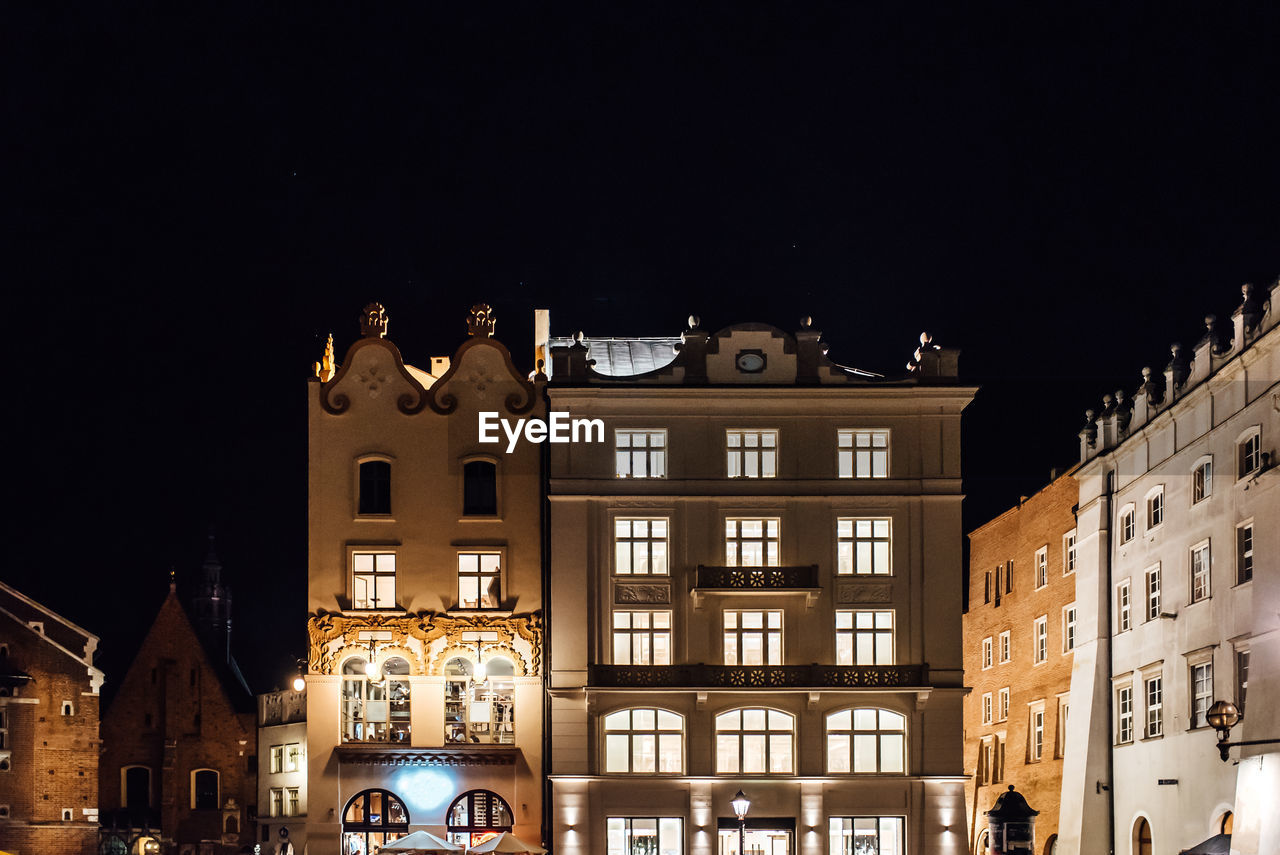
(755,586)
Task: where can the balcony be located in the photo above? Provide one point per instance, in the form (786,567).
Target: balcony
(799,579)
(700,676)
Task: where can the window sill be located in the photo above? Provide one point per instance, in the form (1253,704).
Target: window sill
(1154,738)
(480,518)
(1242,584)
(390,518)
(505,613)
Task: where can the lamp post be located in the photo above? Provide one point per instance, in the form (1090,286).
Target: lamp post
(1223,716)
(740,804)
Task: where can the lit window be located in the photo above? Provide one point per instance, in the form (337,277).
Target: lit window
(862,453)
(641,638)
(1249,455)
(1153,593)
(1040,639)
(1069,554)
(864,547)
(1201,692)
(293,757)
(277,759)
(1042,567)
(644,741)
(986,653)
(1202,481)
(479,488)
(1005,643)
(752,453)
(479,703)
(631,835)
(1155,507)
(1200,587)
(371,818)
(640,547)
(752,638)
(1036,734)
(1155,706)
(1002,705)
(1069,628)
(277,801)
(864,637)
(641,453)
(1244,553)
(1124,714)
(877,835)
(375,709)
(1124,607)
(375,487)
(866,740)
(204,790)
(373,580)
(479,580)
(1127,525)
(986,708)
(751,542)
(293,801)
(754,742)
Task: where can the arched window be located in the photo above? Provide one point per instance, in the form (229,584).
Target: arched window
(755,741)
(1228,822)
(135,789)
(476,816)
(375,709)
(1248,452)
(479,704)
(1127,526)
(1202,479)
(375,487)
(1142,837)
(371,820)
(866,740)
(644,741)
(204,789)
(1051,847)
(479,488)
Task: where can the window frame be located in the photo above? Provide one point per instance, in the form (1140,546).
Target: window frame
(483,594)
(631,539)
(766,631)
(1245,545)
(856,634)
(1249,452)
(1124,606)
(851,452)
(637,635)
(879,734)
(1241,663)
(1153,719)
(1070,553)
(481,515)
(1124,714)
(1040,640)
(987,708)
(764,453)
(1202,479)
(1002,704)
(1200,560)
(1154,503)
(1042,567)
(767,732)
(632,731)
(1153,593)
(988,653)
(771,558)
(648,453)
(1197,718)
(361,462)
(876,546)
(354,551)
(1005,647)
(1035,732)
(1126,525)
(195,793)
(1069,625)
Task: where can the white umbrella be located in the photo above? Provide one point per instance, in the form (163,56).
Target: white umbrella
(421,843)
(507,842)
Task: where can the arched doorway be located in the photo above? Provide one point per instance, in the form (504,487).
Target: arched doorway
(372,819)
(1228,820)
(1142,837)
(477,815)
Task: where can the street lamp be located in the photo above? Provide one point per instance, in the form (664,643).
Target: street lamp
(1223,716)
(740,804)
(300,681)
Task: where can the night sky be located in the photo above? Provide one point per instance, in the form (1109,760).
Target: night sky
(193,200)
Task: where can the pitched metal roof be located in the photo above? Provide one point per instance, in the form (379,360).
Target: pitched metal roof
(625,357)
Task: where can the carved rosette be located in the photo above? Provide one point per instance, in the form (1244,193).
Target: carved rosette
(427,639)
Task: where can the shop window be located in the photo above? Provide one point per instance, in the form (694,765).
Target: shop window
(634,835)
(479,705)
(476,816)
(876,835)
(372,819)
(375,708)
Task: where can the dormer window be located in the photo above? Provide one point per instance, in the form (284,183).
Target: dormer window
(375,487)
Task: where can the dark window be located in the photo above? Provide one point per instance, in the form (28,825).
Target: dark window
(137,788)
(146,720)
(1008,579)
(253,764)
(986,597)
(479,488)
(206,784)
(375,487)
(999,584)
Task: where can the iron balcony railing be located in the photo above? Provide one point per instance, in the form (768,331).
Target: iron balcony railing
(758,676)
(801,576)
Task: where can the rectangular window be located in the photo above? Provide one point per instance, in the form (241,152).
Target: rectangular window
(1042,567)
(641,638)
(1040,639)
(1069,628)
(479,488)
(987,761)
(640,547)
(277,759)
(1153,593)
(1127,526)
(1064,707)
(4,730)
(986,596)
(752,453)
(864,637)
(293,802)
(293,757)
(1036,748)
(1242,678)
(752,638)
(751,542)
(479,580)
(373,580)
(1201,692)
(1069,554)
(1202,482)
(277,801)
(1124,714)
(854,835)
(1124,611)
(1005,643)
(1244,553)
(1200,572)
(375,487)
(644,835)
(864,546)
(1008,578)
(1002,705)
(863,453)
(1154,690)
(999,583)
(640,453)
(986,708)
(986,653)
(1155,508)
(1249,455)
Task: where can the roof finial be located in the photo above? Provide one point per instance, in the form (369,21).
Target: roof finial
(481,321)
(373,322)
(173,580)
(324,368)
(694,321)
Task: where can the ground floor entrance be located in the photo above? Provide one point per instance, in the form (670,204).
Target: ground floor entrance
(762,836)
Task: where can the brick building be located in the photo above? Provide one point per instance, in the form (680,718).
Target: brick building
(178,773)
(48,731)
(1019,638)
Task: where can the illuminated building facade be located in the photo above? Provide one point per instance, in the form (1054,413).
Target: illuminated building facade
(1019,641)
(424,685)
(48,731)
(282,772)
(754,586)
(1179,602)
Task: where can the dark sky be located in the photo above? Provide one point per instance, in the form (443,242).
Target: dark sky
(192,200)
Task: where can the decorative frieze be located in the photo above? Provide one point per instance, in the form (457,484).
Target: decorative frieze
(647,594)
(850,592)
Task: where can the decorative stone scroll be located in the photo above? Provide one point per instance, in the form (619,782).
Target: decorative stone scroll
(863,592)
(626,592)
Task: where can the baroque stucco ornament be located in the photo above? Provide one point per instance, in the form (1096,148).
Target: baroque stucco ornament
(482,321)
(373,321)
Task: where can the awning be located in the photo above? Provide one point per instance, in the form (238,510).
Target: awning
(1219,844)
